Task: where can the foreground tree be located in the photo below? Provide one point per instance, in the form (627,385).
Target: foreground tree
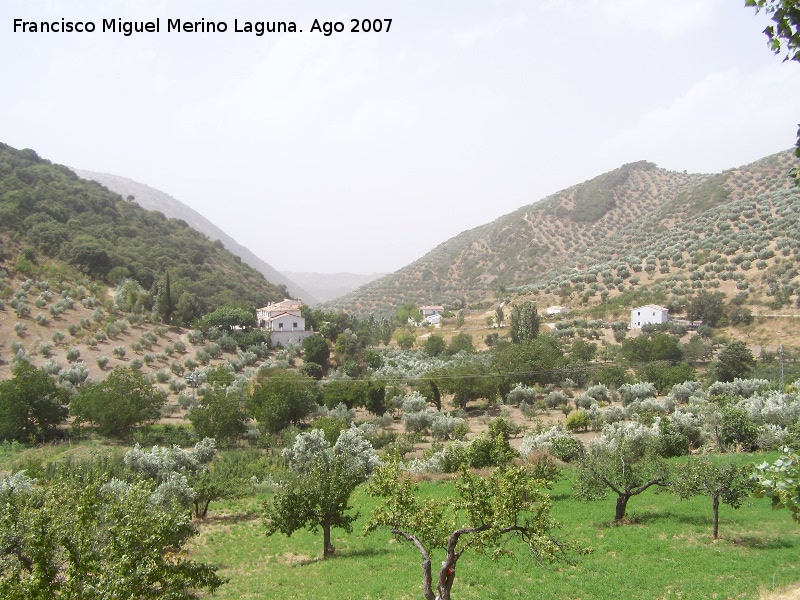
(80,535)
(316,491)
(487,512)
(729,484)
(624,467)
(780,482)
(31,405)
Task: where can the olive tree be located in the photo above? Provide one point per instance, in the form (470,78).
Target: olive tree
(315,492)
(627,465)
(81,535)
(483,516)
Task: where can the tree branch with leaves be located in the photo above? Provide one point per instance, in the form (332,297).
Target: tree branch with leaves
(486,512)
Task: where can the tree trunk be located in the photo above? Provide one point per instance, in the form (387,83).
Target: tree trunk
(622,503)
(328,549)
(715,502)
(446,578)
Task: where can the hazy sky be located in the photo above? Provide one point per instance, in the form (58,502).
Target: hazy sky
(362,151)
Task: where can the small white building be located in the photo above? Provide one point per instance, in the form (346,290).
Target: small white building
(284,322)
(558,310)
(650,314)
(434,319)
(427,311)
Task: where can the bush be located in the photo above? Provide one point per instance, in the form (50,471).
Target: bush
(118,351)
(577,421)
(556,399)
(102,361)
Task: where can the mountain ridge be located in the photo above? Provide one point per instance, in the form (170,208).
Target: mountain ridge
(586,224)
(151,198)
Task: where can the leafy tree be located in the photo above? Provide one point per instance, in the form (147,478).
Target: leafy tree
(121,401)
(283,398)
(220,414)
(187,309)
(228,318)
(696,350)
(316,491)
(784,36)
(525,322)
(164,301)
(626,468)
(780,482)
(707,307)
(729,484)
(664,374)
(435,345)
(31,405)
(466,381)
(577,420)
(734,361)
(316,350)
(80,535)
(499,316)
(348,392)
(534,361)
(646,348)
(460,343)
(488,511)
(406,341)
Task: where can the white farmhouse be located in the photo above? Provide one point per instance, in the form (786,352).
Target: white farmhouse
(558,310)
(650,314)
(284,322)
(428,311)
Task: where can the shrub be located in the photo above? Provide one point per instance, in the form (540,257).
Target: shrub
(45,348)
(636,391)
(578,420)
(20,329)
(118,351)
(555,399)
(102,361)
(73,353)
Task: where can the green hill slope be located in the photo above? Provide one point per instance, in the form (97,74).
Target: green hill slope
(153,199)
(46,211)
(628,213)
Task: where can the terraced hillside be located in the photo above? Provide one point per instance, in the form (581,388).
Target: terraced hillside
(628,212)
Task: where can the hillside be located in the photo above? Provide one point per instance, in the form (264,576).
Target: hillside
(153,199)
(625,215)
(51,222)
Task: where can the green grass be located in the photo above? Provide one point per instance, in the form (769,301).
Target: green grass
(666,551)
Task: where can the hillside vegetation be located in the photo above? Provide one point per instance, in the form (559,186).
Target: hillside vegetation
(153,199)
(609,227)
(49,213)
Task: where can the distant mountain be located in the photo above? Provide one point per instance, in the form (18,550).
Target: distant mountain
(637,216)
(153,199)
(329,286)
(54,224)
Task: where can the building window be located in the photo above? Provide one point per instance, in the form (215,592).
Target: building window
(280,325)
(294,325)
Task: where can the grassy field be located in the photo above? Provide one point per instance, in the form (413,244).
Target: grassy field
(666,551)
